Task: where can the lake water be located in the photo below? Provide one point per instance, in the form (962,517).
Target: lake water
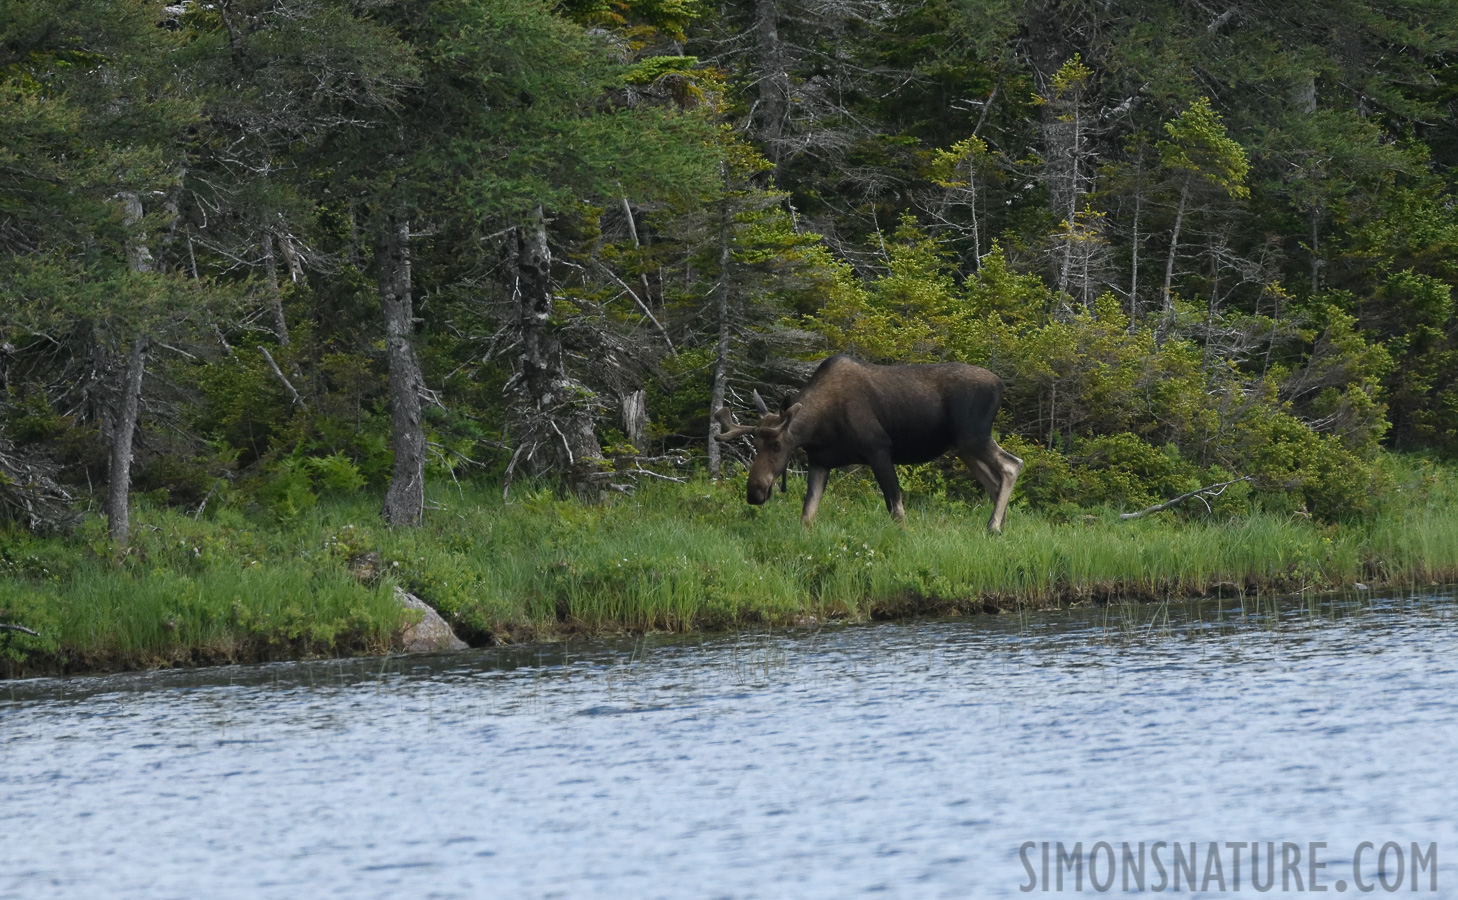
(923,759)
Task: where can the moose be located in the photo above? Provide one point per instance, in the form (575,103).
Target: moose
(856,413)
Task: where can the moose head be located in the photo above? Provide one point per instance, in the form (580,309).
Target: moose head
(773,445)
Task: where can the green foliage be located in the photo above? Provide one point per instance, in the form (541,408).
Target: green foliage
(288,488)
(1104,413)
(1200,147)
(1286,169)
(1123,471)
(33,419)
(230,586)
(1071,77)
(903,315)
(190,591)
(292,485)
(508,116)
(649,70)
(956,166)
(336,473)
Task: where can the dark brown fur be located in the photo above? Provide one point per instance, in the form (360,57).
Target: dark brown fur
(856,413)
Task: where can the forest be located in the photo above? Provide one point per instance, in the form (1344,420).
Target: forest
(257,254)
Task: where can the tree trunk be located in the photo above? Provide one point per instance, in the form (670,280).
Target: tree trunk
(1174,246)
(1303,98)
(274,301)
(555,415)
(642,276)
(1316,261)
(139,255)
(773,104)
(721,348)
(1064,135)
(124,428)
(1134,252)
(976,229)
(129,397)
(405,497)
(635,416)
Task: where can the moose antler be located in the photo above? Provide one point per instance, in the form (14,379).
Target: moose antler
(728,428)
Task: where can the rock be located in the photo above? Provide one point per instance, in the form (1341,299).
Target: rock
(431,633)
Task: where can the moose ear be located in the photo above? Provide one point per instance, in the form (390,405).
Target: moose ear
(789,416)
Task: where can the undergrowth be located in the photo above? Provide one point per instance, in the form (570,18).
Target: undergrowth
(238,585)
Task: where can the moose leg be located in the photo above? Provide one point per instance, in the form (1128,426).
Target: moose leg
(985,476)
(1010,467)
(814,488)
(885,471)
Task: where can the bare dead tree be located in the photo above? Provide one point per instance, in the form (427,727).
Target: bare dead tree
(405,497)
(552,421)
(720,293)
(30,493)
(129,401)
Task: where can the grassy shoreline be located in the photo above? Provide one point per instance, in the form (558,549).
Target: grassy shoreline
(243,587)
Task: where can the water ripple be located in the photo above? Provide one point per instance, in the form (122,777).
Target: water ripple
(908,759)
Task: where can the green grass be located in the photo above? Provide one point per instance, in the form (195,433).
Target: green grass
(242,586)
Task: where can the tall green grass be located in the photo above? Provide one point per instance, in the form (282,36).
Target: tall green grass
(186,592)
(237,586)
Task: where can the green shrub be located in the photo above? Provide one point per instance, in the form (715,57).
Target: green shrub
(1105,411)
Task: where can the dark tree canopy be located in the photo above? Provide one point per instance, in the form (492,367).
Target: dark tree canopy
(255,251)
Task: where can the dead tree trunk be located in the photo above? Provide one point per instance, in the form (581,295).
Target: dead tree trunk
(555,412)
(128,406)
(1134,246)
(635,415)
(273,302)
(1166,294)
(405,497)
(124,429)
(721,348)
(773,104)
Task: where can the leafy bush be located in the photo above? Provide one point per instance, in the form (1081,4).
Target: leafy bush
(1108,412)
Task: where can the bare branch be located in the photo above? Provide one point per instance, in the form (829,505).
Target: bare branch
(641,305)
(283,379)
(1213,490)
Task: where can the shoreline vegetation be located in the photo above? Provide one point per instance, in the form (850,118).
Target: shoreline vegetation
(249,318)
(239,586)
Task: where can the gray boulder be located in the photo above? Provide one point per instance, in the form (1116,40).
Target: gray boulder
(428,635)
